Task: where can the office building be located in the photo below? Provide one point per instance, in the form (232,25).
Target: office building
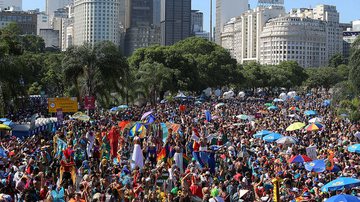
(43,22)
(51,38)
(197,21)
(175,21)
(26,21)
(96,21)
(356,25)
(349,38)
(225,10)
(52,5)
(240,36)
(14,5)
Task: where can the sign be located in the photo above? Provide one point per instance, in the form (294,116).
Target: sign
(59,115)
(89,102)
(67,104)
(311,152)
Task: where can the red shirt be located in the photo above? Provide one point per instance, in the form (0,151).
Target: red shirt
(196,190)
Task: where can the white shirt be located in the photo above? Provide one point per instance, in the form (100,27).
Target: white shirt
(218,199)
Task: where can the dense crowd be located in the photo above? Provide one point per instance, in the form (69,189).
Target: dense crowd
(183,151)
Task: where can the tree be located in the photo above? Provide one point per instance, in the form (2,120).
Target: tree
(295,73)
(354,64)
(95,70)
(336,60)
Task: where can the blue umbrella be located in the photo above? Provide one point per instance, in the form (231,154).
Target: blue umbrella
(278,100)
(273,108)
(114,109)
(4,119)
(297,98)
(336,169)
(2,153)
(272,137)
(326,103)
(310,112)
(262,133)
(123,107)
(354,148)
(343,198)
(317,166)
(340,183)
(9,123)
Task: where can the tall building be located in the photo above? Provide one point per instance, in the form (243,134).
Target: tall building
(225,10)
(175,21)
(356,25)
(157,12)
(96,20)
(241,35)
(7,4)
(52,5)
(26,21)
(197,21)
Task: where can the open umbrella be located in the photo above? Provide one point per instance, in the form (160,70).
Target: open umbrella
(273,108)
(357,134)
(243,117)
(299,159)
(343,198)
(295,126)
(219,105)
(326,103)
(354,148)
(146,114)
(114,109)
(268,104)
(310,113)
(317,166)
(316,120)
(286,140)
(123,107)
(278,100)
(340,183)
(262,133)
(272,137)
(294,108)
(314,127)
(297,98)
(4,127)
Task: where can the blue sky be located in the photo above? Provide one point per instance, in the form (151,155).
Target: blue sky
(349,9)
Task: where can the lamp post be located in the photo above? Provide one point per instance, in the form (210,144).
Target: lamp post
(211,12)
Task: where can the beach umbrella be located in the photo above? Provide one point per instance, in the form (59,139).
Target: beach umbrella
(314,127)
(114,109)
(272,137)
(123,107)
(316,119)
(340,183)
(354,148)
(83,117)
(317,166)
(297,98)
(268,104)
(310,113)
(9,123)
(4,119)
(138,128)
(295,126)
(299,159)
(146,114)
(326,103)
(273,108)
(336,169)
(219,105)
(343,198)
(242,117)
(4,127)
(294,109)
(286,140)
(262,133)
(278,100)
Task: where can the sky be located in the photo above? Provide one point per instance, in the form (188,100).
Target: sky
(348,9)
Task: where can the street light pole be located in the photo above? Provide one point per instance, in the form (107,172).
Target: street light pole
(211,28)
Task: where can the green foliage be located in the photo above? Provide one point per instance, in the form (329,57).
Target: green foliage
(336,60)
(355,65)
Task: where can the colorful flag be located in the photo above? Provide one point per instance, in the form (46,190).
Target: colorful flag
(161,155)
(165,132)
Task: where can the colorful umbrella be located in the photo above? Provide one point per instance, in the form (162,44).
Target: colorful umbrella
(316,120)
(299,159)
(343,198)
(146,114)
(317,166)
(273,108)
(272,137)
(295,126)
(286,140)
(4,127)
(310,113)
(294,109)
(138,128)
(340,183)
(354,148)
(262,133)
(314,127)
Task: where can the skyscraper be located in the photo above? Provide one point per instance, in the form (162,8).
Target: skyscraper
(175,21)
(225,10)
(5,4)
(52,5)
(96,20)
(197,19)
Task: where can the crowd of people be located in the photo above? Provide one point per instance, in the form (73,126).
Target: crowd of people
(183,151)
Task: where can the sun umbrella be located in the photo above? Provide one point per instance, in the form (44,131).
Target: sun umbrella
(354,148)
(268,104)
(340,183)
(286,140)
(310,113)
(219,105)
(9,123)
(123,107)
(297,98)
(146,114)
(138,128)
(317,166)
(242,116)
(314,127)
(273,108)
(83,117)
(316,119)
(299,159)
(295,126)
(262,133)
(343,198)
(272,137)
(4,119)
(4,127)
(278,100)
(294,109)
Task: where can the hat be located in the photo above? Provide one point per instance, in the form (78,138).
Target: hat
(214,192)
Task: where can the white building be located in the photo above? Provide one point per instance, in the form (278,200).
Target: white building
(51,38)
(15,5)
(96,20)
(43,22)
(356,25)
(52,5)
(225,10)
(241,34)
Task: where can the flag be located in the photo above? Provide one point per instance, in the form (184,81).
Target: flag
(208,115)
(165,132)
(161,155)
(61,145)
(150,119)
(330,161)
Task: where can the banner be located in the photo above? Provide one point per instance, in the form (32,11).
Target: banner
(67,104)
(89,102)
(311,152)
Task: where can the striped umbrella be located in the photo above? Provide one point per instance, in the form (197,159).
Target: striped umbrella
(314,127)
